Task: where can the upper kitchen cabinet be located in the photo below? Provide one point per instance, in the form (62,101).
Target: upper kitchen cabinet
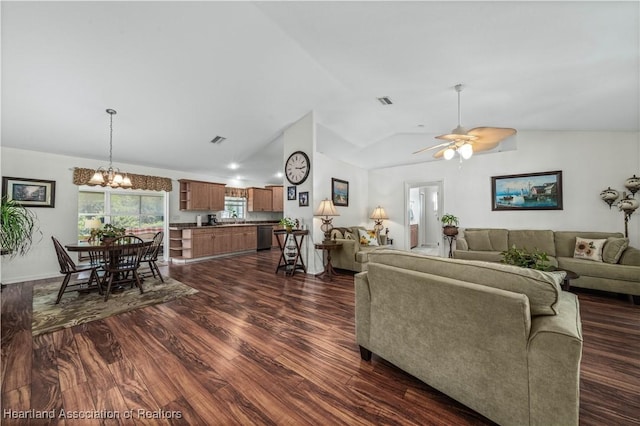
(277,197)
(260,200)
(198,195)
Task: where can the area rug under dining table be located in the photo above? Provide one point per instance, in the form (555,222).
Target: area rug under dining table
(79,307)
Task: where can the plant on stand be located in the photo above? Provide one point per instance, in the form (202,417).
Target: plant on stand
(449,224)
(288,223)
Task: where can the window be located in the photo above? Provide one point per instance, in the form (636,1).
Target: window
(138,211)
(234,205)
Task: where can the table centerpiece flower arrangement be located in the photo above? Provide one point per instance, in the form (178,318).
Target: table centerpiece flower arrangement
(108,232)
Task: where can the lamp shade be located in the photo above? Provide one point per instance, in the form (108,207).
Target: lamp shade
(379,214)
(92,224)
(326,208)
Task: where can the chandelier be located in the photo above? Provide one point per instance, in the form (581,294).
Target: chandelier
(110,176)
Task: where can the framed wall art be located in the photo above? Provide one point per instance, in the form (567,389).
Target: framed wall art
(339,192)
(29,192)
(291,193)
(529,191)
(303,199)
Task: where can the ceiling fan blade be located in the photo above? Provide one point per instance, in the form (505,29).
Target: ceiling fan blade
(431,147)
(484,146)
(491,135)
(439,154)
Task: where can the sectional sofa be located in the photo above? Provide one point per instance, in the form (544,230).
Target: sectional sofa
(353,254)
(616,268)
(503,340)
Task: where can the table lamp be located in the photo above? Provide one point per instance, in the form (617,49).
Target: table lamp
(326,209)
(378,216)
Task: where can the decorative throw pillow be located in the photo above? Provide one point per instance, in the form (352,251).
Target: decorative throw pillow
(589,249)
(368,238)
(613,249)
(348,236)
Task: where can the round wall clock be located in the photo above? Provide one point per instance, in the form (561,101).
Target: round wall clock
(297,167)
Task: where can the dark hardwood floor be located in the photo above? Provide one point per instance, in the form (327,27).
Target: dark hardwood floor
(253,347)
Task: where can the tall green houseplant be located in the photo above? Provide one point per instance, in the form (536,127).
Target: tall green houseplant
(18,225)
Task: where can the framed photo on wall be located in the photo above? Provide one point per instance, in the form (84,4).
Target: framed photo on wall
(529,191)
(303,200)
(29,192)
(339,192)
(291,193)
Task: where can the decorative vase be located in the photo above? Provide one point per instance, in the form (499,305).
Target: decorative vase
(450,231)
(289,228)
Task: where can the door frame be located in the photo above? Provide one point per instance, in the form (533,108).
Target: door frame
(407,205)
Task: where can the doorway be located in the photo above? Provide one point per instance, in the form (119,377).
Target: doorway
(423,231)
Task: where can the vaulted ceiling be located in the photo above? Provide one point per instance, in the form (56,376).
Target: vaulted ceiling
(181,73)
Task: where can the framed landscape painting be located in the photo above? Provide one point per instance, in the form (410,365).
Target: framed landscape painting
(29,192)
(529,191)
(339,192)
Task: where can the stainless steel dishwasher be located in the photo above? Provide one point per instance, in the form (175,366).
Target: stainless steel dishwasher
(265,233)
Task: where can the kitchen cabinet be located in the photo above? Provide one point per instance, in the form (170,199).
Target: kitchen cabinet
(198,195)
(259,200)
(277,197)
(192,243)
(414,235)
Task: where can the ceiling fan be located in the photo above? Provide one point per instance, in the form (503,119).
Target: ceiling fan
(464,142)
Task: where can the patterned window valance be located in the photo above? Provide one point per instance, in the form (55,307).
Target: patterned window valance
(235,192)
(150,183)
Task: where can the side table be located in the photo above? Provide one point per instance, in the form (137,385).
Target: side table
(294,240)
(328,268)
(450,239)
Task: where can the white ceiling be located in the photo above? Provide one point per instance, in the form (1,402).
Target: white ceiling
(180,73)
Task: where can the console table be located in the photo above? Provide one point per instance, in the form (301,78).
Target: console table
(290,244)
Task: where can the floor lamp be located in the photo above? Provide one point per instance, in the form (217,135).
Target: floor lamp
(326,209)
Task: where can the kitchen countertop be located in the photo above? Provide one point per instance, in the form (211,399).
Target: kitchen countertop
(224,225)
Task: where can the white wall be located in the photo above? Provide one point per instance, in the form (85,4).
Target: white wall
(62,221)
(590,162)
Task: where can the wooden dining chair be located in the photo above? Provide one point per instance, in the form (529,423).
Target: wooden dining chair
(69,268)
(121,260)
(151,255)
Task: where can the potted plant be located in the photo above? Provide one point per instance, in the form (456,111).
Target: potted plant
(288,223)
(107,233)
(449,224)
(521,257)
(18,227)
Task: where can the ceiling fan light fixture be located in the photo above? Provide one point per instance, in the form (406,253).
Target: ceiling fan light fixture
(465,151)
(449,153)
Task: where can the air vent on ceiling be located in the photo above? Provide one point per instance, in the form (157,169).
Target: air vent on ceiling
(218,139)
(385,100)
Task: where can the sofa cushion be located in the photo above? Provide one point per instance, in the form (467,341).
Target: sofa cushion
(497,236)
(613,249)
(478,240)
(542,288)
(566,240)
(531,239)
(631,257)
(589,249)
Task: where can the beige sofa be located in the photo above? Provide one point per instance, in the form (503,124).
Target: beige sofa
(619,271)
(503,340)
(352,255)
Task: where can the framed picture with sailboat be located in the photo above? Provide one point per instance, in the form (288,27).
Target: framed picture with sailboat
(529,191)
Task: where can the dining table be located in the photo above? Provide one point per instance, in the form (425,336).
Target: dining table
(101,247)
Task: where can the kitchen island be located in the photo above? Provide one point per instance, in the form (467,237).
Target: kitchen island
(189,242)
